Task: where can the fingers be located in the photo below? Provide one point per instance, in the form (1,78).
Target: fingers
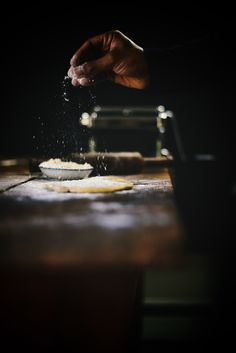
(93,68)
(92,71)
(87,65)
(70,72)
(76,72)
(88,50)
(78,79)
(75,80)
(80,54)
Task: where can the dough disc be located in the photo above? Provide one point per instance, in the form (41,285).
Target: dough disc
(91,185)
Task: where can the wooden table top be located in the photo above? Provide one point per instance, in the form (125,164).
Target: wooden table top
(41,228)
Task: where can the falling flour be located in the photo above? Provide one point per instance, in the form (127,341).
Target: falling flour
(64,134)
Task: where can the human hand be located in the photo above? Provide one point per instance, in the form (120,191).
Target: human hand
(111,56)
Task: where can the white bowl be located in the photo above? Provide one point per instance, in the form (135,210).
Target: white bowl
(66,174)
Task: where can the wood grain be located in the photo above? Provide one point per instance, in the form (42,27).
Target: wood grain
(136,227)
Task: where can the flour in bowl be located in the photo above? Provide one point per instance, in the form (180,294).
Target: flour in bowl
(57,163)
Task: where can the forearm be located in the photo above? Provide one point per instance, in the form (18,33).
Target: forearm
(180,67)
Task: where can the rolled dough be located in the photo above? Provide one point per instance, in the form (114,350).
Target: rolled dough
(91,185)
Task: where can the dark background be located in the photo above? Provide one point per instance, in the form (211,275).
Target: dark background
(37,46)
(194,79)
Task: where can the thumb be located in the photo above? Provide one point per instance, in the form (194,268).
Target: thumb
(94,70)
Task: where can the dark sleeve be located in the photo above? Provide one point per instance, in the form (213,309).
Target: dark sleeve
(195,82)
(181,66)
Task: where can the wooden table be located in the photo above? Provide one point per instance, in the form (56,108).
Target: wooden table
(43,228)
(71,264)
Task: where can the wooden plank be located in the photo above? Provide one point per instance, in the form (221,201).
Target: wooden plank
(136,227)
(9,181)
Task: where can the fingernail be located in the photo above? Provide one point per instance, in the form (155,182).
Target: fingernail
(84,81)
(74,82)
